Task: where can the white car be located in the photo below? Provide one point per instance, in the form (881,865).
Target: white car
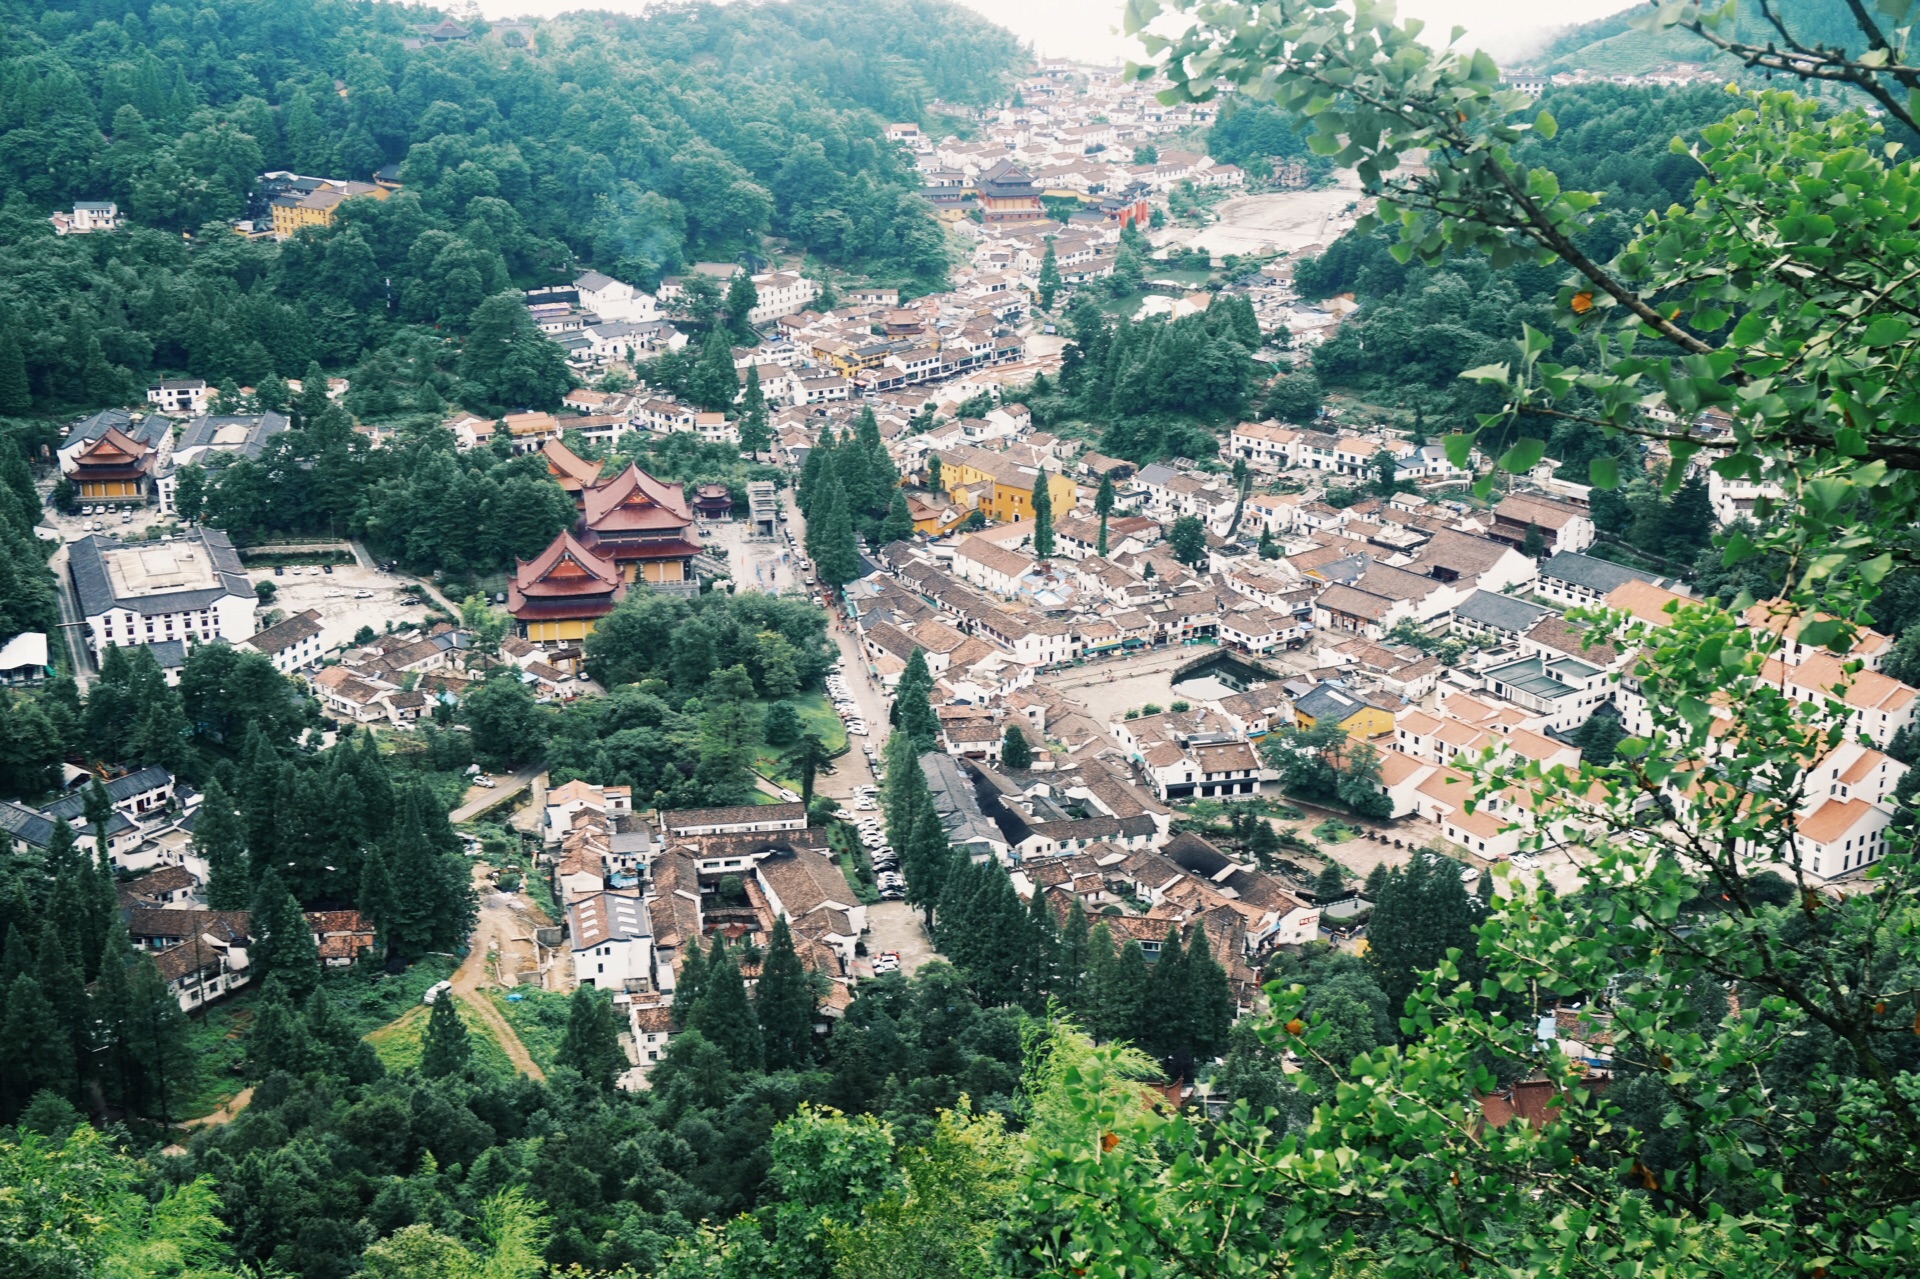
(1526,861)
(1469,874)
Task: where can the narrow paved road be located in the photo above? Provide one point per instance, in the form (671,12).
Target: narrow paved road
(479,798)
(226,1114)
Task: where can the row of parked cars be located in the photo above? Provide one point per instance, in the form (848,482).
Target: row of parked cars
(886,863)
(843,703)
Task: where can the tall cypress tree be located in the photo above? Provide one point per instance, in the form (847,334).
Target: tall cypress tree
(783,1001)
(932,860)
(283,946)
(1165,1032)
(690,983)
(1015,752)
(158,1040)
(66,995)
(723,1014)
(1071,957)
(1422,911)
(591,1044)
(219,838)
(38,1049)
(913,711)
(1040,954)
(835,553)
(1042,516)
(110,1006)
(444,1046)
(755,438)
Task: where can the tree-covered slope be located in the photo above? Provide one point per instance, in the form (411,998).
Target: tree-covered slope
(633,145)
(1613,45)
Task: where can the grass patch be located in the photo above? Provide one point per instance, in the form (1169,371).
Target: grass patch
(365,997)
(539,1017)
(398,1043)
(1334,831)
(816,716)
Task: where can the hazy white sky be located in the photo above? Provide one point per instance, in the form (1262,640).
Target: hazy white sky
(1089,29)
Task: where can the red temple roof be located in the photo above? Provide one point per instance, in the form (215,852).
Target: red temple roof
(566,579)
(569,469)
(635,502)
(114,456)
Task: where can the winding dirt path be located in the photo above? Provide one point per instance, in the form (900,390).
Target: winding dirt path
(497,926)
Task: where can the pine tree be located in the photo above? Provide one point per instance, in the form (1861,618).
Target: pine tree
(1042,516)
(38,1050)
(1269,549)
(1050,282)
(690,983)
(783,1001)
(933,472)
(1103,507)
(444,1047)
(898,526)
(912,705)
(283,946)
(930,861)
(1165,1033)
(110,1006)
(755,437)
(835,554)
(66,995)
(337,1049)
(1014,750)
(715,381)
(1331,885)
(723,1014)
(1423,911)
(159,1040)
(1040,960)
(1071,954)
(819,459)
(375,901)
(219,838)
(278,1040)
(1209,1006)
(591,1044)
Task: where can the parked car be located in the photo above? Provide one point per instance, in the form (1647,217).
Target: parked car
(327,569)
(279,571)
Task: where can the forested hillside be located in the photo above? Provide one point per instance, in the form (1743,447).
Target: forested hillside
(1613,45)
(629,144)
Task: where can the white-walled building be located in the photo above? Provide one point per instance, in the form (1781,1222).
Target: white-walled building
(191,589)
(611,940)
(614,300)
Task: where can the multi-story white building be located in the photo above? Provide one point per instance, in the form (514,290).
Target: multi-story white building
(180,395)
(614,300)
(611,940)
(190,588)
(781,293)
(291,645)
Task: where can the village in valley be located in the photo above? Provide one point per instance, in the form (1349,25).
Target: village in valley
(1214,697)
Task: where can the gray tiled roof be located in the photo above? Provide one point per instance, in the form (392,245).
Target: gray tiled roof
(202,432)
(95,590)
(149,431)
(1502,612)
(1594,574)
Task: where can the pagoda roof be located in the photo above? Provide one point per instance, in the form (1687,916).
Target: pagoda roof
(565,570)
(114,448)
(635,502)
(572,471)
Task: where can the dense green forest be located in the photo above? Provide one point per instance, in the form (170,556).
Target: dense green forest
(630,144)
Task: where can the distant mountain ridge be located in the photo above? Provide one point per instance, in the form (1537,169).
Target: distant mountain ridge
(1614,46)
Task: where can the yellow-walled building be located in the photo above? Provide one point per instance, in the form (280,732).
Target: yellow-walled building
(1010,497)
(1325,704)
(316,208)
